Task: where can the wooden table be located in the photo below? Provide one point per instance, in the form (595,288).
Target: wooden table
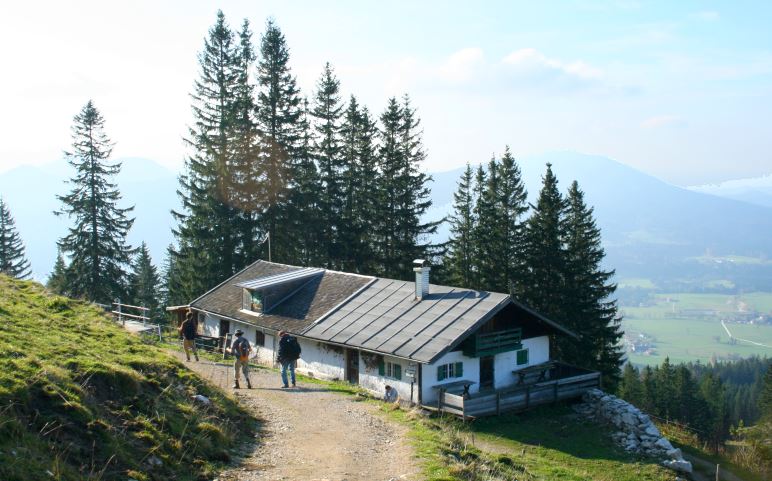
(466,384)
(542,369)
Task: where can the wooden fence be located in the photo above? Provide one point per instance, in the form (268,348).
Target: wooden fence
(519,398)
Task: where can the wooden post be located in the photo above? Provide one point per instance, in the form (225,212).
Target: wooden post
(527,396)
(555,392)
(498,403)
(439,400)
(717,472)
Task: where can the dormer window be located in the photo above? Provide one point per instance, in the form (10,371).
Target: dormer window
(252,301)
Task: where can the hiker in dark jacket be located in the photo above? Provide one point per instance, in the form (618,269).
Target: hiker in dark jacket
(188,332)
(240,350)
(289,353)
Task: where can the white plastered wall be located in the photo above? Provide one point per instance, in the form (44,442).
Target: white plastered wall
(321,360)
(376,384)
(429,375)
(506,362)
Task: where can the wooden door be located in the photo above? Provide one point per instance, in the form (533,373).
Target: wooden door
(352,366)
(225,328)
(486,372)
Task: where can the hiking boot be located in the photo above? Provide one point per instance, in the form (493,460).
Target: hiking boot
(249,385)
(293,384)
(284,386)
(236,385)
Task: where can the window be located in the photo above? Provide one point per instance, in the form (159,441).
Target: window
(252,300)
(451,370)
(390,369)
(522,357)
(259,338)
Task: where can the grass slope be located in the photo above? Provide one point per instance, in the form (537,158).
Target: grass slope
(80,398)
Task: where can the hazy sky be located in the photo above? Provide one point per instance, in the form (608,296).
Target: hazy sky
(681,90)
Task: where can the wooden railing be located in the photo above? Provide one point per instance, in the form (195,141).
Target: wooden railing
(492,343)
(522,397)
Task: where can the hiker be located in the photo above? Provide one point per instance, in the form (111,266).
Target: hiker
(240,349)
(188,330)
(289,353)
(391,395)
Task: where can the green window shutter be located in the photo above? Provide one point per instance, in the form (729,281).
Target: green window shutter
(397,372)
(381,368)
(522,357)
(440,373)
(459,369)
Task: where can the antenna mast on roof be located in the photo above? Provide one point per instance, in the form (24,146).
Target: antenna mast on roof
(267,238)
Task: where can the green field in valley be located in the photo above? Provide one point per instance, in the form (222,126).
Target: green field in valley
(687,327)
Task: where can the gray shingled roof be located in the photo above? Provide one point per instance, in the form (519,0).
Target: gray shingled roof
(386,318)
(316,296)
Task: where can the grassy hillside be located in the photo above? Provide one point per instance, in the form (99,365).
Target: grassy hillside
(80,398)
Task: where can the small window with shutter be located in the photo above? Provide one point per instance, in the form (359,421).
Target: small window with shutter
(522,357)
(390,369)
(448,371)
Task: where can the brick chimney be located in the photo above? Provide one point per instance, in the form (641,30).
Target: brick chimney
(421,269)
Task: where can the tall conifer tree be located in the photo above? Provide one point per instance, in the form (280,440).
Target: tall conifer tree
(57,280)
(208,230)
(461,256)
(588,308)
(144,283)
(512,204)
(283,165)
(327,110)
(544,253)
(13,261)
(488,232)
(96,244)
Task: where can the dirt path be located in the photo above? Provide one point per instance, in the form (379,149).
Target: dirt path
(705,470)
(311,433)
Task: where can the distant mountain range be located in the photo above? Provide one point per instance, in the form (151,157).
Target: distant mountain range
(650,228)
(756,190)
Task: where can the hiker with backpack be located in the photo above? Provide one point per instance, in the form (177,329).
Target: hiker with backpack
(240,349)
(289,353)
(188,330)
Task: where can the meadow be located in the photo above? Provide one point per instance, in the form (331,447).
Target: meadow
(687,327)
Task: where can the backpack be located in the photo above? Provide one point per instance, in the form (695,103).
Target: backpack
(293,348)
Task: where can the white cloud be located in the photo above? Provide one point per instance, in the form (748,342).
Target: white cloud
(529,67)
(659,121)
(462,66)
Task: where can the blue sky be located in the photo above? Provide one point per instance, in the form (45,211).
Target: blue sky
(681,90)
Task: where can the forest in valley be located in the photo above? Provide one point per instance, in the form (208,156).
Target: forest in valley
(325,182)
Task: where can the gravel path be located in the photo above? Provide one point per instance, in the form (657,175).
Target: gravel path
(311,433)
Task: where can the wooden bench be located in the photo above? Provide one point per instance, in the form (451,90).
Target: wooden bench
(542,369)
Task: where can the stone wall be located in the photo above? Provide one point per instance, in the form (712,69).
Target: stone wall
(635,431)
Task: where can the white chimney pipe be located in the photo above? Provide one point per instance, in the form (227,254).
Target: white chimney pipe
(421,269)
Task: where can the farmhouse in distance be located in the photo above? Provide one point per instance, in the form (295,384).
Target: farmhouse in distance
(463,351)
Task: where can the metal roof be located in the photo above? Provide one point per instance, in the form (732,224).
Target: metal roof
(385,317)
(284,277)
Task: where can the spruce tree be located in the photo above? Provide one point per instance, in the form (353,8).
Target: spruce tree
(390,160)
(359,176)
(648,390)
(283,164)
(57,280)
(208,224)
(144,283)
(713,391)
(303,219)
(244,169)
(488,239)
(327,111)
(13,261)
(587,305)
(96,244)
(460,263)
(630,388)
(414,233)
(765,398)
(512,204)
(545,257)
